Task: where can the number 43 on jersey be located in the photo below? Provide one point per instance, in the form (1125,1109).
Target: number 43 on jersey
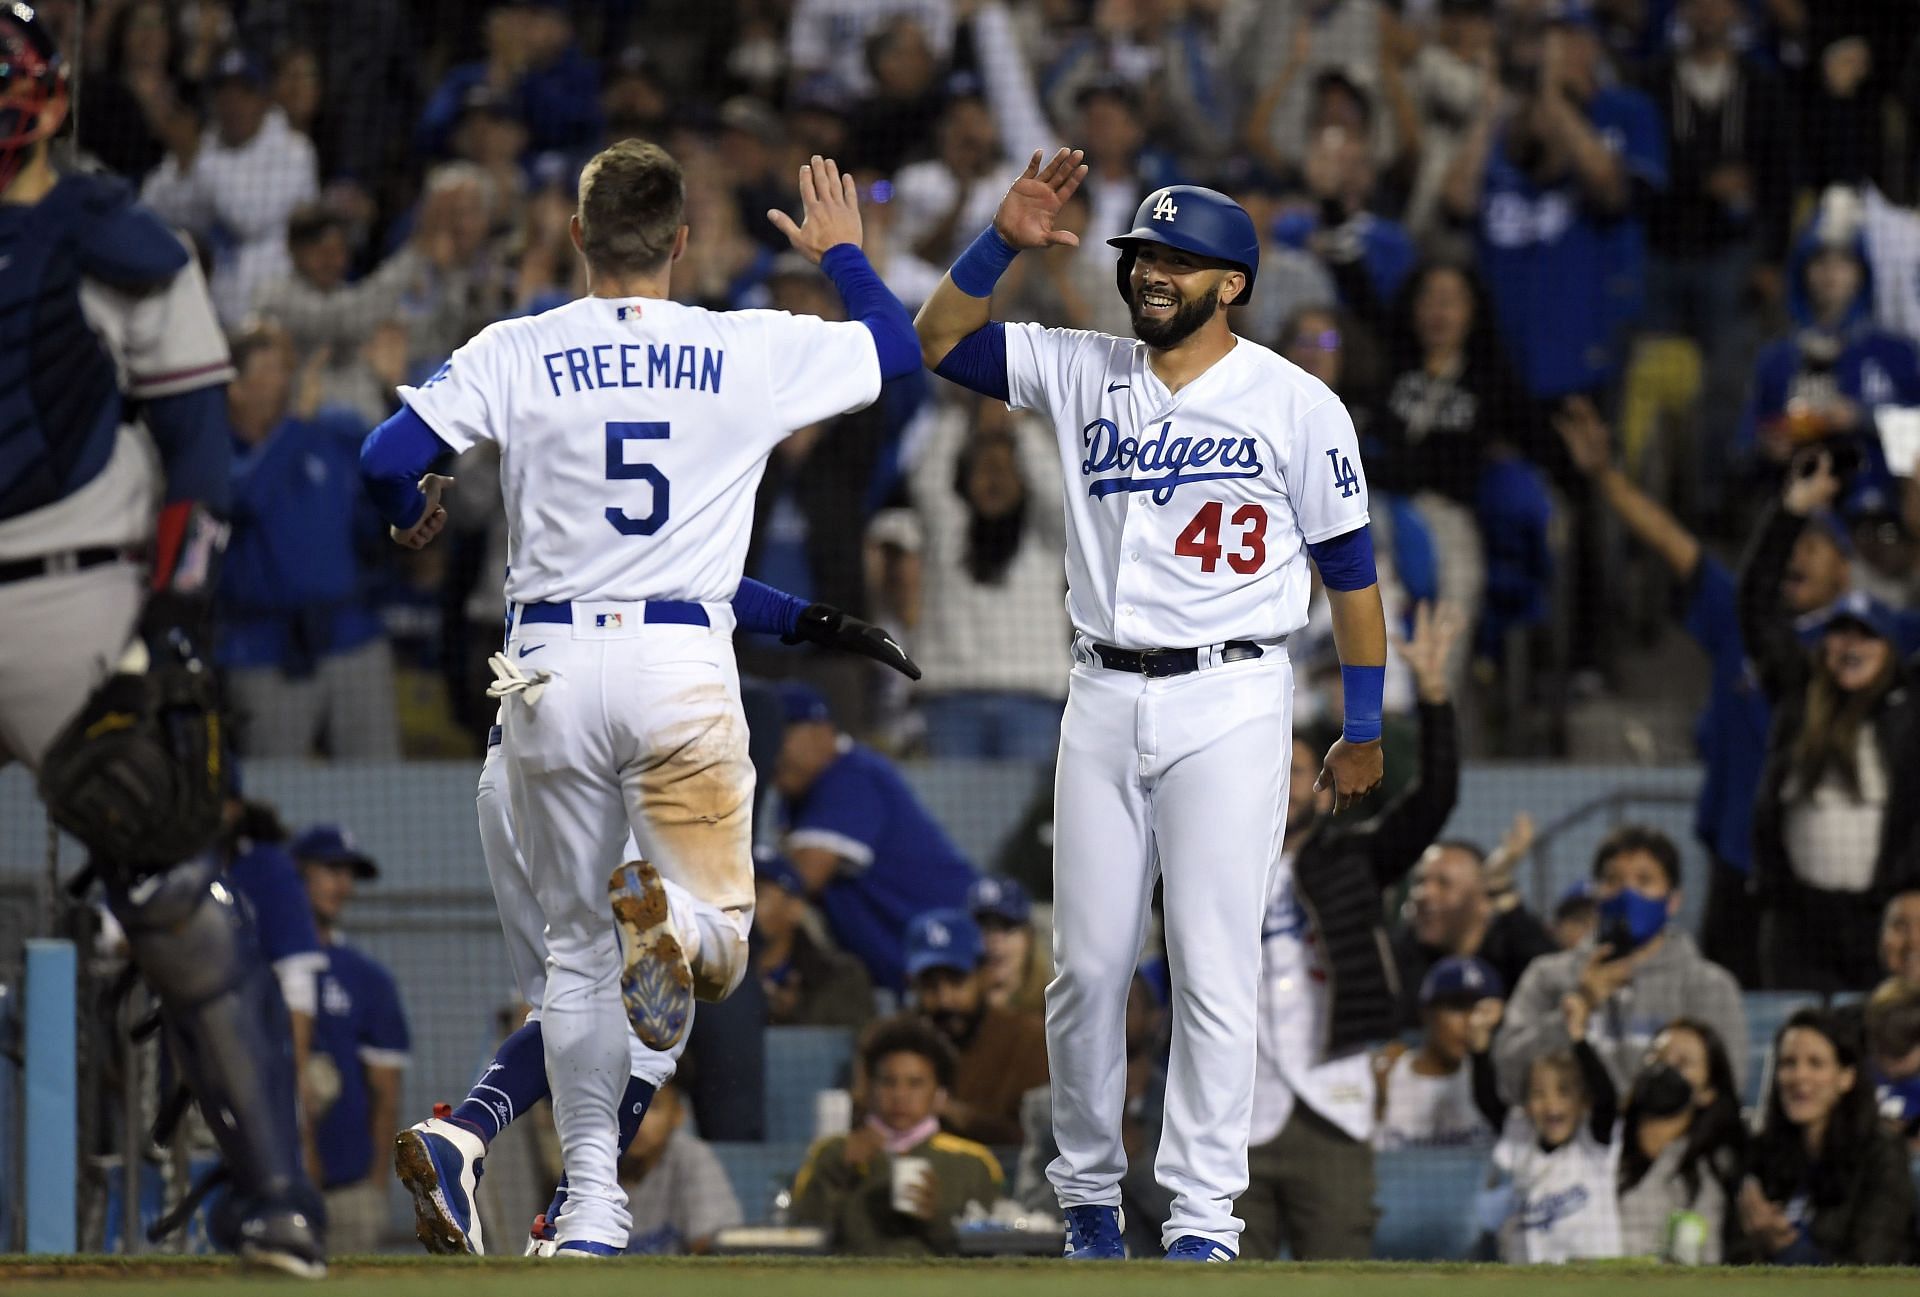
(1201,538)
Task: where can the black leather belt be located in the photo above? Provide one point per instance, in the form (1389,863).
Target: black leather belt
(72,560)
(1160,663)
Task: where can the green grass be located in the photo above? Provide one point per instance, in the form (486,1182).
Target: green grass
(437,1277)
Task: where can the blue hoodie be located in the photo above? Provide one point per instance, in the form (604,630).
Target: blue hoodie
(1873,367)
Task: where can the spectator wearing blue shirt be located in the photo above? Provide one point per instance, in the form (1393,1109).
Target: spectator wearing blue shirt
(868,853)
(1556,182)
(361,1044)
(531,58)
(305,658)
(1731,733)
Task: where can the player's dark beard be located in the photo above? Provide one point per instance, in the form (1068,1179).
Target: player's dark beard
(1178,327)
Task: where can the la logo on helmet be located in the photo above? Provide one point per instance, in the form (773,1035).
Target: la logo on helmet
(1163,207)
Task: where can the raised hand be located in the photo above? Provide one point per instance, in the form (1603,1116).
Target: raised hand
(1027,213)
(1427,653)
(829,211)
(1812,483)
(1588,442)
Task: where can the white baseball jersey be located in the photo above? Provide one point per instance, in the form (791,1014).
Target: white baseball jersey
(1430,1111)
(633,434)
(1564,1206)
(1190,510)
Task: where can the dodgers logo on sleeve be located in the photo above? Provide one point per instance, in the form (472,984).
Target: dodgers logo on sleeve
(1343,475)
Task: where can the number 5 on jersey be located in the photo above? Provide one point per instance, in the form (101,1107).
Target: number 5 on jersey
(1201,538)
(619,470)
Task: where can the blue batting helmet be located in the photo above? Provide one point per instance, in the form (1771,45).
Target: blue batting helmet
(1204,222)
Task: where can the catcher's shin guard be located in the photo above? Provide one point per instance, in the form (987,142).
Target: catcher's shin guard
(196,948)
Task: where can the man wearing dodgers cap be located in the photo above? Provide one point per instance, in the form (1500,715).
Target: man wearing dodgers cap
(1001,1054)
(808,983)
(1019,964)
(869,855)
(1444,1093)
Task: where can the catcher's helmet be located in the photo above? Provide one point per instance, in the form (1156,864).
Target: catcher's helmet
(33,85)
(1202,221)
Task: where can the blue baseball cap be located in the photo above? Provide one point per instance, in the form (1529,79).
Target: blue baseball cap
(1000,898)
(239,65)
(1461,977)
(1855,606)
(802,704)
(775,868)
(329,844)
(943,939)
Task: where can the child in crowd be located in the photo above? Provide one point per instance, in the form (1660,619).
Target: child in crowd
(1575,916)
(1444,1094)
(677,1191)
(848,1183)
(1560,1158)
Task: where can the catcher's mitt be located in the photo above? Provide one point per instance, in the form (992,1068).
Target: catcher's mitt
(822,623)
(137,775)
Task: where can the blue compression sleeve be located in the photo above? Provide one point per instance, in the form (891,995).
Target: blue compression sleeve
(760,609)
(191,433)
(1346,561)
(393,459)
(978,362)
(1363,689)
(981,265)
(871,302)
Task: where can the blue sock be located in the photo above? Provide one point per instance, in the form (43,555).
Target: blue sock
(512,1083)
(633,1110)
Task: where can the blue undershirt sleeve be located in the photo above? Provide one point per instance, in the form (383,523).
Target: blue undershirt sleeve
(759,609)
(978,362)
(392,460)
(1346,561)
(871,302)
(191,433)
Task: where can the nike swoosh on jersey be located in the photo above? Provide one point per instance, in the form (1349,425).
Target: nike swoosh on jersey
(1114,387)
(530,648)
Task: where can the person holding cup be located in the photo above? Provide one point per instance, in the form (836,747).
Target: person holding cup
(893,1185)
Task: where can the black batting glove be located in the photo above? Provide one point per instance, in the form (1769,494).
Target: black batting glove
(822,623)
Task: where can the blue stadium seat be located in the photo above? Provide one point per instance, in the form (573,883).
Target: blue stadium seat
(1426,1201)
(758,1171)
(802,1061)
(1766,1011)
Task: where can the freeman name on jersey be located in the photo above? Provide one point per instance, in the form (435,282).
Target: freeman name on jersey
(636,364)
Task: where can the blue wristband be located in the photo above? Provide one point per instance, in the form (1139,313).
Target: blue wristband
(1363,687)
(982,264)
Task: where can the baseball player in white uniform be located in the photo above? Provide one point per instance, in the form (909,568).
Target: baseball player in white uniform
(1199,470)
(633,432)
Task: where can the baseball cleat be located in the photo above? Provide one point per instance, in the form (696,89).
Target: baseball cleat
(281,1240)
(1191,1247)
(656,980)
(440,1164)
(541,1240)
(1094,1234)
(581,1247)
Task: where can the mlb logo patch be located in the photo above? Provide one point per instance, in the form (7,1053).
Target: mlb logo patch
(626,313)
(607,621)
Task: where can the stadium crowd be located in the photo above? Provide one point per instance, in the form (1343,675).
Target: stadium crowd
(1624,298)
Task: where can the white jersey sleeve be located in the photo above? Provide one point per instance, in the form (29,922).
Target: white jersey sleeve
(817,368)
(1042,364)
(1323,473)
(166,339)
(456,401)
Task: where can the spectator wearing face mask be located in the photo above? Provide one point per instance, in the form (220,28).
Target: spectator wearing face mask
(1637,975)
(1682,1143)
(1836,826)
